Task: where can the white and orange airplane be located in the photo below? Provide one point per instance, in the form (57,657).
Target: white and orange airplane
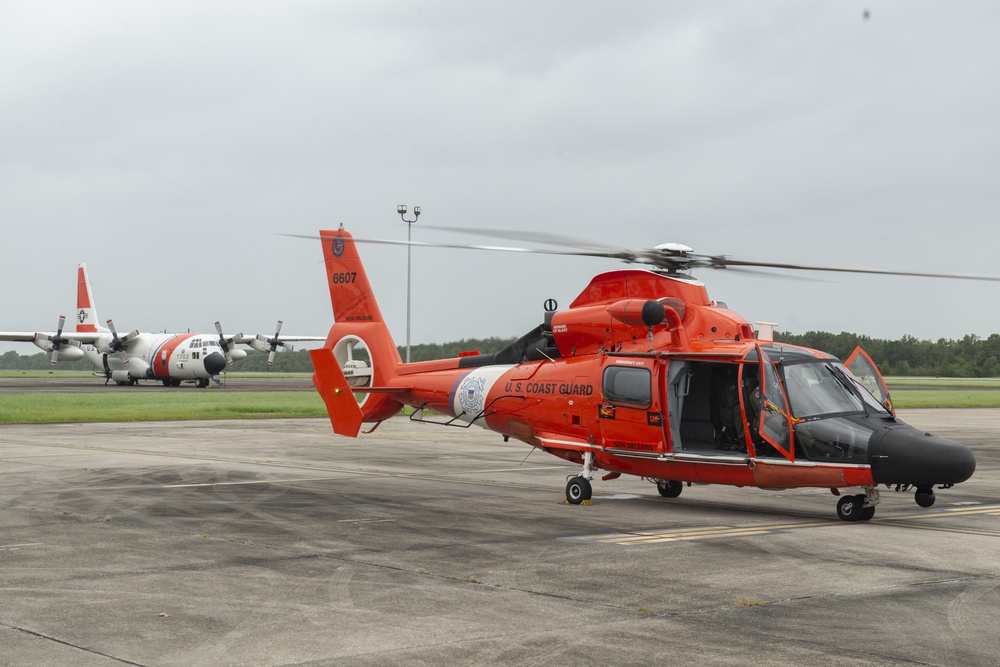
(171,358)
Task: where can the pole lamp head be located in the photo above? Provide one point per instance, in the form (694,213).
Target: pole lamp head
(401,209)
(416,211)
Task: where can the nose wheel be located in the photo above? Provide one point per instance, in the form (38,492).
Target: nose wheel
(860,507)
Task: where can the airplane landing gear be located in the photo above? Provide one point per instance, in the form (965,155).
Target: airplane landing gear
(578,488)
(860,507)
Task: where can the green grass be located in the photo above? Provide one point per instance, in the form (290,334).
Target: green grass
(153,406)
(899,381)
(945,398)
(46,374)
(220,404)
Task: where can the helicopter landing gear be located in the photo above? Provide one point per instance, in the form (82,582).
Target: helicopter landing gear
(578,488)
(925,496)
(669,488)
(860,507)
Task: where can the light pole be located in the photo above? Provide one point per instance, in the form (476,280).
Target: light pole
(401,209)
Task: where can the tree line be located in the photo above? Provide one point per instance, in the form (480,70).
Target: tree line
(284,361)
(970,356)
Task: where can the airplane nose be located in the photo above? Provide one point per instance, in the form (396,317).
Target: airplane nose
(908,456)
(215,363)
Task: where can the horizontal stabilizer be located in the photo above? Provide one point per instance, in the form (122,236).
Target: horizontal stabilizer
(345,413)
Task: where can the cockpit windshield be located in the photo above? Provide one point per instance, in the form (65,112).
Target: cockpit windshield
(826,388)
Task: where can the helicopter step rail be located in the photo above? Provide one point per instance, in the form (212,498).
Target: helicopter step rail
(682,457)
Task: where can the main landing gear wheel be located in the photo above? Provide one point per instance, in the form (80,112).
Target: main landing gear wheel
(852,508)
(669,488)
(578,489)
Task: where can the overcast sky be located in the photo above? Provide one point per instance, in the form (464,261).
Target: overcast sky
(165,143)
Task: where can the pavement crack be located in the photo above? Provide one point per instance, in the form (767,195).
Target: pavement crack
(42,635)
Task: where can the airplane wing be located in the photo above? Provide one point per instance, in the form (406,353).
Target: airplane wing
(22,336)
(63,345)
(270,344)
(29,336)
(246,340)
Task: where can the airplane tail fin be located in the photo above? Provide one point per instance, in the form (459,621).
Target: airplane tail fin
(86,311)
(359,350)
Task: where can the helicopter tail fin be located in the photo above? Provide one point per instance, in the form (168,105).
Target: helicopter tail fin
(359,355)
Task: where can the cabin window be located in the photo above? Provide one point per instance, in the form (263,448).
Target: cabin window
(626,384)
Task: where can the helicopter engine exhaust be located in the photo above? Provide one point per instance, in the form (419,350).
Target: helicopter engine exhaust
(650,313)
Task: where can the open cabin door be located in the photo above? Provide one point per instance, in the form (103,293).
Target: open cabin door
(865,370)
(768,404)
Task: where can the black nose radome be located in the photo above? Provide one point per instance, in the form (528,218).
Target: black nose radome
(214,363)
(908,456)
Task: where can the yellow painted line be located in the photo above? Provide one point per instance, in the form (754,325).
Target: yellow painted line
(942,529)
(954,511)
(714,532)
(703,533)
(704,537)
(247,482)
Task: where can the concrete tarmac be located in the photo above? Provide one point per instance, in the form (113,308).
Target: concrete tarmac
(275,542)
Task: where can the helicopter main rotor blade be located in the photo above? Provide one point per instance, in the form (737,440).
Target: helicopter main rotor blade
(618,254)
(535,237)
(840,269)
(672,258)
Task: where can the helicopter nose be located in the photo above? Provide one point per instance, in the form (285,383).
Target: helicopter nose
(909,456)
(215,363)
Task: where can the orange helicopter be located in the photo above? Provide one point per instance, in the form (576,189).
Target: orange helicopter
(644,375)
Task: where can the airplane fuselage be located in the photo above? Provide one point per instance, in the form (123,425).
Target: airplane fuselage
(161,356)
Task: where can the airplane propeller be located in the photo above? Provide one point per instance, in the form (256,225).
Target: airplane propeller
(264,344)
(226,343)
(56,342)
(669,258)
(117,344)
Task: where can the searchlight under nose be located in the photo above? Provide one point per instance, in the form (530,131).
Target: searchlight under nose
(905,455)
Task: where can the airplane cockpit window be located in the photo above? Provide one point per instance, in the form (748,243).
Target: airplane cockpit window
(624,384)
